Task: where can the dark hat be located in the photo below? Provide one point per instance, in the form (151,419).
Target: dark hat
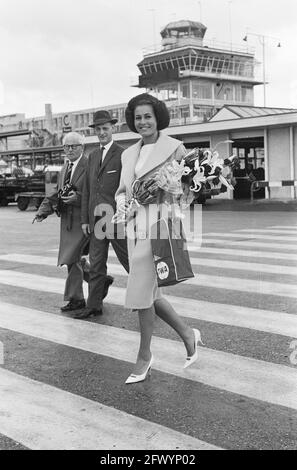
(160,110)
(101,117)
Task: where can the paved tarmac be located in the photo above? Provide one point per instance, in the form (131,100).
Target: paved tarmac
(264,205)
(63,379)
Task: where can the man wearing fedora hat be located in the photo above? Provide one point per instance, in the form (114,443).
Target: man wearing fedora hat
(98,205)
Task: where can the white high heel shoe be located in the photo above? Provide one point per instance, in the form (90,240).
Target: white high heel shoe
(191,359)
(133,378)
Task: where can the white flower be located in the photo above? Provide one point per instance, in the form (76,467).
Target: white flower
(198,178)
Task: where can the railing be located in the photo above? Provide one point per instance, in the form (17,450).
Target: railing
(210,44)
(256,185)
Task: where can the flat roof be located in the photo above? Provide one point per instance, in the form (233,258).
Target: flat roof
(33,150)
(207,128)
(284,119)
(14,133)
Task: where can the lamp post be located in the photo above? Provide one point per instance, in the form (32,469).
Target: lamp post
(154,25)
(262,38)
(230,22)
(200,6)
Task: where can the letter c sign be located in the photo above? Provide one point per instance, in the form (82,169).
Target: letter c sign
(66,120)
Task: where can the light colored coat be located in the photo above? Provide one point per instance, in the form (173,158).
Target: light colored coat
(142,289)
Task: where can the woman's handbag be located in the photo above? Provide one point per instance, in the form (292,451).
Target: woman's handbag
(169,247)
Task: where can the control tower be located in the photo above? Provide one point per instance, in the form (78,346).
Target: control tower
(196,79)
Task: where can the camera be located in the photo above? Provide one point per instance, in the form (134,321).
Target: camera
(66,190)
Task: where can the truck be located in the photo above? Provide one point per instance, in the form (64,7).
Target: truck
(9,185)
(38,188)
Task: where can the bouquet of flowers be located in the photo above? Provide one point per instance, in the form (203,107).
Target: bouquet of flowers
(197,169)
(168,178)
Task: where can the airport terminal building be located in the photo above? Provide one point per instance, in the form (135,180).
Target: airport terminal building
(209,90)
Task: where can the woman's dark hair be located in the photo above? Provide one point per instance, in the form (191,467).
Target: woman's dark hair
(160,110)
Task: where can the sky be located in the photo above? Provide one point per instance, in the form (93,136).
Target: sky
(78,54)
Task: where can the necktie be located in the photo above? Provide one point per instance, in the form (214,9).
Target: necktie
(101,154)
(68,173)
(100,157)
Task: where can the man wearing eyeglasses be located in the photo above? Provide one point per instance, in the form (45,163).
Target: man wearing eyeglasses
(66,202)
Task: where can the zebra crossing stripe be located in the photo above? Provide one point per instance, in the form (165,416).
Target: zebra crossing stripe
(43,417)
(285,226)
(204,280)
(244,253)
(232,252)
(245,285)
(226,264)
(245,243)
(272,383)
(243,317)
(266,230)
(235,315)
(232,283)
(239,265)
(248,236)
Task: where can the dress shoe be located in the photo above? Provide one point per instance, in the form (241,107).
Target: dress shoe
(88,312)
(133,378)
(108,281)
(191,359)
(73,305)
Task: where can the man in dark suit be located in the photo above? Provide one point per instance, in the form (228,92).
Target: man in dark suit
(98,205)
(72,239)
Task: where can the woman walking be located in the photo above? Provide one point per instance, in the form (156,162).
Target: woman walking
(147,116)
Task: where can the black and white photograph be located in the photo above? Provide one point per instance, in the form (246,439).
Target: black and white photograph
(148,228)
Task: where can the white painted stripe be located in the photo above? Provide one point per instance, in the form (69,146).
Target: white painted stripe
(255,379)
(235,252)
(245,285)
(267,230)
(255,319)
(284,226)
(257,286)
(247,236)
(239,265)
(245,243)
(245,253)
(29,259)
(275,184)
(237,316)
(43,417)
(232,283)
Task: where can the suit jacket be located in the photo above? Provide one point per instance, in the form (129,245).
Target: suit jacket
(72,239)
(100,186)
